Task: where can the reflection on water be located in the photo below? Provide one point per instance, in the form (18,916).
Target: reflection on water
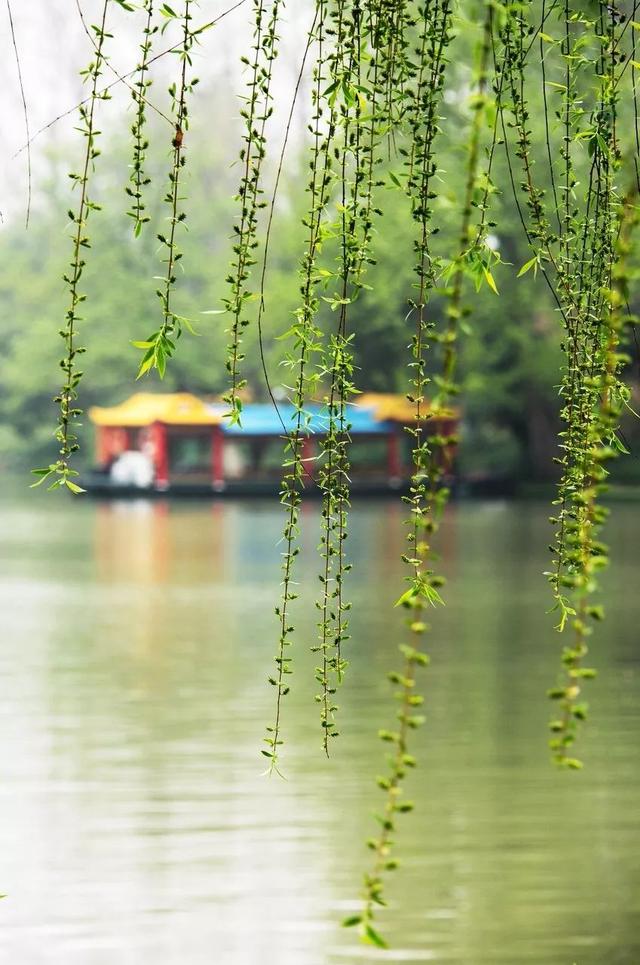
(135,825)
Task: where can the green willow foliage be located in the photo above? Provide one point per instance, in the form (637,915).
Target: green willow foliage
(422,111)
(256,113)
(161,344)
(138,179)
(306,338)
(573,243)
(382,75)
(67,398)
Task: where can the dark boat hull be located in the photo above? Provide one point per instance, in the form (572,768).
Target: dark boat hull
(101,486)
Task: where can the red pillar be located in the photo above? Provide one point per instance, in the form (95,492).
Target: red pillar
(217,458)
(161,455)
(102,445)
(111,441)
(394,461)
(308,456)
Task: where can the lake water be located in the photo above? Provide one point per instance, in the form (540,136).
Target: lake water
(136,826)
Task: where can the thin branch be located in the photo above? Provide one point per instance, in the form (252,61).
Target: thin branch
(267,241)
(122,78)
(24,108)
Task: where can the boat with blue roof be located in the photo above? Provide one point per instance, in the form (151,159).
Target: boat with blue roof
(181,444)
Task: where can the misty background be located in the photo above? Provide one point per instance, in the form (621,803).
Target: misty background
(510,352)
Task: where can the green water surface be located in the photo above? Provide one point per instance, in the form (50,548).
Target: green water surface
(136,826)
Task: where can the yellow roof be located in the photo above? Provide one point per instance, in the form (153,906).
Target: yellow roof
(397,408)
(144,408)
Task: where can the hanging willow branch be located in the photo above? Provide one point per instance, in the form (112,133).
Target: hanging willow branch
(306,338)
(354,232)
(69,412)
(392,34)
(577,262)
(364,126)
(337,365)
(475,257)
(422,113)
(159,347)
(342,99)
(593,403)
(139,179)
(256,113)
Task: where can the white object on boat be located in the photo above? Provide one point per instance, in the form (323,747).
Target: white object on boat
(132,469)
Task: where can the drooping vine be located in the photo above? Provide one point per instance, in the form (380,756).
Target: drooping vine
(423,120)
(577,262)
(474,258)
(139,179)
(353,228)
(256,113)
(343,99)
(392,34)
(306,338)
(362,93)
(592,396)
(60,473)
(160,344)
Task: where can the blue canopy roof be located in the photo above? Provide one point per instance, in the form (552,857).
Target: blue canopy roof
(263,420)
